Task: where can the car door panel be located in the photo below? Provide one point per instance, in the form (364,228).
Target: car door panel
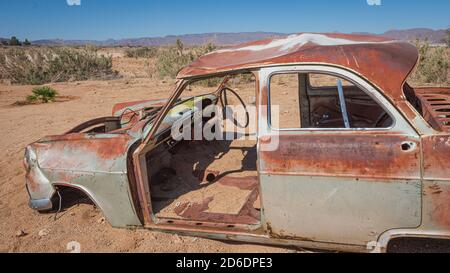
(344,186)
(340,188)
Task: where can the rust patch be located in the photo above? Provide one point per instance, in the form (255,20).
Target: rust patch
(361,155)
(149,103)
(281,235)
(249,183)
(80,151)
(91,123)
(440,212)
(436,153)
(247,215)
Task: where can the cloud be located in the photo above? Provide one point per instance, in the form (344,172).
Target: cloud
(74,2)
(374,2)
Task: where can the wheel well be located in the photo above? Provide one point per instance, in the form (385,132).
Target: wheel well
(418,245)
(69,196)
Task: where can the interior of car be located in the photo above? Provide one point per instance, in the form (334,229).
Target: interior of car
(209,181)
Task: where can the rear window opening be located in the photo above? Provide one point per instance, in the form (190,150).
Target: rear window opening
(303,101)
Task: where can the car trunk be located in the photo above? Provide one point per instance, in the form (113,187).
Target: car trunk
(433,104)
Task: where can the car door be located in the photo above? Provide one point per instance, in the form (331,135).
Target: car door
(342,185)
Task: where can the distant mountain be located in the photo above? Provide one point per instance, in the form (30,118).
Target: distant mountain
(434,36)
(188,39)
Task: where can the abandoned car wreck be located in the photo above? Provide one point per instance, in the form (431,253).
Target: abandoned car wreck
(344,154)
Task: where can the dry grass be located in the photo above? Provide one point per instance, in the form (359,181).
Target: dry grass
(40,65)
(433,67)
(142,52)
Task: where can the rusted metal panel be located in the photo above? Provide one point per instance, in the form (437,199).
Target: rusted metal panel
(436,206)
(83,152)
(119,108)
(436,157)
(109,191)
(94,122)
(383,62)
(352,186)
(436,190)
(37,184)
(365,154)
(246,215)
(95,164)
(336,210)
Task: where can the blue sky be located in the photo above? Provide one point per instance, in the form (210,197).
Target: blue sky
(103,19)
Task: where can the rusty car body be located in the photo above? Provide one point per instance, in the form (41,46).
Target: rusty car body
(323,186)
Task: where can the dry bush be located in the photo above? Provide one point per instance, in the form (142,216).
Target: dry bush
(447,38)
(141,52)
(171,59)
(54,64)
(433,66)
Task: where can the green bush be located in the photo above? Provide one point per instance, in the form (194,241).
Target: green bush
(43,94)
(171,59)
(141,52)
(434,64)
(44,65)
(14,41)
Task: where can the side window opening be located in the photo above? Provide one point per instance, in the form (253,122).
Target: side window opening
(305,101)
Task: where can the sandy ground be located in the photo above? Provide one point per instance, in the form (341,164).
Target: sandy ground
(24,230)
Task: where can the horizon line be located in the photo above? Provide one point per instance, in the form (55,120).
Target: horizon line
(186,34)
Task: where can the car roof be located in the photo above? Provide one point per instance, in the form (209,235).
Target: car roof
(384,62)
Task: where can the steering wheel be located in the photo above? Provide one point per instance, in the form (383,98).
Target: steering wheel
(224,102)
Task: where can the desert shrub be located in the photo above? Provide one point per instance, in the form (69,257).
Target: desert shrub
(246,78)
(141,52)
(434,64)
(171,59)
(14,41)
(169,62)
(44,65)
(43,94)
(210,82)
(447,37)
(235,81)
